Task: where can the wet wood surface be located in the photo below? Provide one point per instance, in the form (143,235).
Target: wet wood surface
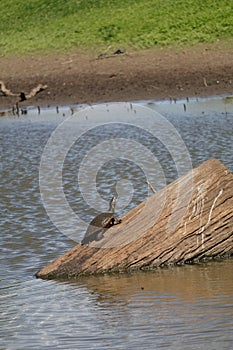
(189,220)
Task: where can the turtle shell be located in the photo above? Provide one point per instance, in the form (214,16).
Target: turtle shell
(97,227)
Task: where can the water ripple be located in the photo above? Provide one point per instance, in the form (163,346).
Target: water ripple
(180,308)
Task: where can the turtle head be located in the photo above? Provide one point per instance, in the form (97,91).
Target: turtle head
(112,204)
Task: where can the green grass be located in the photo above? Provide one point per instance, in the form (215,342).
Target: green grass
(45,25)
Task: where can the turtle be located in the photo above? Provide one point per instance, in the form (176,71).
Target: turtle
(100,224)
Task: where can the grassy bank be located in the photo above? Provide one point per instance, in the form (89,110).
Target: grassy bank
(45,25)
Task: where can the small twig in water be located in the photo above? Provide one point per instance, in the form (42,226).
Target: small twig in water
(150,186)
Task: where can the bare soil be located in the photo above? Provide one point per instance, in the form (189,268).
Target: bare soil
(79,77)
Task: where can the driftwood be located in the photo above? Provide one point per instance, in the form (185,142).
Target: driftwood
(189,220)
(22,95)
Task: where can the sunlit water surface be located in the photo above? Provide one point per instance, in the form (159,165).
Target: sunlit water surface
(188,307)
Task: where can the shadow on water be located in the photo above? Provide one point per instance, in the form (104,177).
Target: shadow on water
(188,282)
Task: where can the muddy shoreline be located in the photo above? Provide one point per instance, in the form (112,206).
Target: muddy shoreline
(158,74)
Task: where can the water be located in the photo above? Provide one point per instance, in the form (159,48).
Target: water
(188,307)
(179,308)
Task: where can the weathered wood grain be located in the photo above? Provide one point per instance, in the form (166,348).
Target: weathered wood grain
(191,219)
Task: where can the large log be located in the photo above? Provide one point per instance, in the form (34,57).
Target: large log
(189,220)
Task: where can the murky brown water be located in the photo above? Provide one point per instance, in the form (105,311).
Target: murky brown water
(189,307)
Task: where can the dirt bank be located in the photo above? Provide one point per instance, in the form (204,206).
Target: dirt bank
(150,74)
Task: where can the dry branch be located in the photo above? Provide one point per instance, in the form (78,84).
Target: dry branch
(190,219)
(205,82)
(22,95)
(5,91)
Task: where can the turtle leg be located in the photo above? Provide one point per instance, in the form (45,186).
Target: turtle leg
(116,221)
